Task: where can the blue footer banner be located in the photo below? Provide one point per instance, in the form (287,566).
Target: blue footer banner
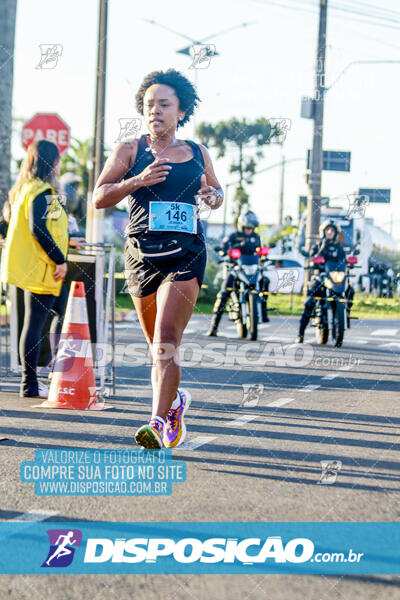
(294,548)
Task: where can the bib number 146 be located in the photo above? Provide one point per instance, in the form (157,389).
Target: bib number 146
(176,214)
(172,216)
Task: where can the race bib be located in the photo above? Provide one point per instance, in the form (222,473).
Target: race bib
(172,216)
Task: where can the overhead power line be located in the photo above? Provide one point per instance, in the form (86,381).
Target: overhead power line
(388,20)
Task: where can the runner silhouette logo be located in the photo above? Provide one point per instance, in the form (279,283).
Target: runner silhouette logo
(62,547)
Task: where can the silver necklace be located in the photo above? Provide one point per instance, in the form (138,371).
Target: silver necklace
(150,147)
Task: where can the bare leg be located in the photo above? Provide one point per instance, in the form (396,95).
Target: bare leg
(175,304)
(146,309)
(163,317)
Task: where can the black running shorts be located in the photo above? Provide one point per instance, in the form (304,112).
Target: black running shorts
(144,277)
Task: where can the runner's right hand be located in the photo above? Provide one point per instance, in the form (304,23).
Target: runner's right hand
(156,172)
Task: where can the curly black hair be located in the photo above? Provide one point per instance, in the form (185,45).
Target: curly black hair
(184,90)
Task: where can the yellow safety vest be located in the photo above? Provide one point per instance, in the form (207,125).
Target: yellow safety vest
(25,264)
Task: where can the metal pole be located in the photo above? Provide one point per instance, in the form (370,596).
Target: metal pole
(225,210)
(109,303)
(314,196)
(95,218)
(282,191)
(113,334)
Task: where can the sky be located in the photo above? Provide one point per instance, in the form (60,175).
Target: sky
(262,70)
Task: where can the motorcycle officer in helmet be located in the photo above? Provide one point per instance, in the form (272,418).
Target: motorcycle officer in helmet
(331,249)
(247,240)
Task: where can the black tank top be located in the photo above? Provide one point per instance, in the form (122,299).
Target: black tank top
(181,185)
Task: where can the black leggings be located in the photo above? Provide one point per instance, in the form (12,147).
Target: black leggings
(37,308)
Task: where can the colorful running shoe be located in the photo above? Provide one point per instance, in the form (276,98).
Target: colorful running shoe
(150,436)
(175,430)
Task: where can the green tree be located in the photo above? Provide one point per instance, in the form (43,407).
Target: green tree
(77,160)
(248,139)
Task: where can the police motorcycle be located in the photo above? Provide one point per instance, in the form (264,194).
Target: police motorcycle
(332,310)
(243,306)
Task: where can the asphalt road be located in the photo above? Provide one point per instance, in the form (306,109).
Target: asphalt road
(263,416)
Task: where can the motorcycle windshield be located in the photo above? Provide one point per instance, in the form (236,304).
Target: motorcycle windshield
(331,265)
(248,259)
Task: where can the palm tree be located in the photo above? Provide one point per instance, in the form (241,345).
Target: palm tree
(8,10)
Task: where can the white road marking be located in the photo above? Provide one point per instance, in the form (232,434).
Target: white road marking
(36,515)
(390,345)
(350,366)
(330,377)
(309,388)
(249,403)
(385,332)
(280,402)
(196,442)
(242,420)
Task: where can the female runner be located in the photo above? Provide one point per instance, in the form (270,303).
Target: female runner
(165,252)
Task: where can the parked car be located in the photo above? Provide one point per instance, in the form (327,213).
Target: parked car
(286,275)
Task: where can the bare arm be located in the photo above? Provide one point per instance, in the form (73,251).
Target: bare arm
(211,179)
(109,188)
(209,169)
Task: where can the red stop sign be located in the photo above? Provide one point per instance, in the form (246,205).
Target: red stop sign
(49,127)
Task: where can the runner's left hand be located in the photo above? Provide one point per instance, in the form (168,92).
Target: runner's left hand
(208,195)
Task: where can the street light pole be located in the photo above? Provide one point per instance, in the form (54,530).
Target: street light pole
(186,49)
(359,62)
(314,196)
(95,217)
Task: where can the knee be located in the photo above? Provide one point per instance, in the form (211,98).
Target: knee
(165,343)
(168,334)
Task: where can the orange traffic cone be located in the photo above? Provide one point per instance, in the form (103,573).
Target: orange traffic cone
(73,383)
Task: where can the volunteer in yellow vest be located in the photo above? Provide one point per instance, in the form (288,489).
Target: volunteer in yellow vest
(35,254)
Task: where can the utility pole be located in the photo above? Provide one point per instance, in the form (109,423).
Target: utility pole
(7,36)
(95,217)
(314,195)
(282,191)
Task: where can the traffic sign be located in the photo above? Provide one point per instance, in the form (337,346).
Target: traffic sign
(307,107)
(375,195)
(333,160)
(43,126)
